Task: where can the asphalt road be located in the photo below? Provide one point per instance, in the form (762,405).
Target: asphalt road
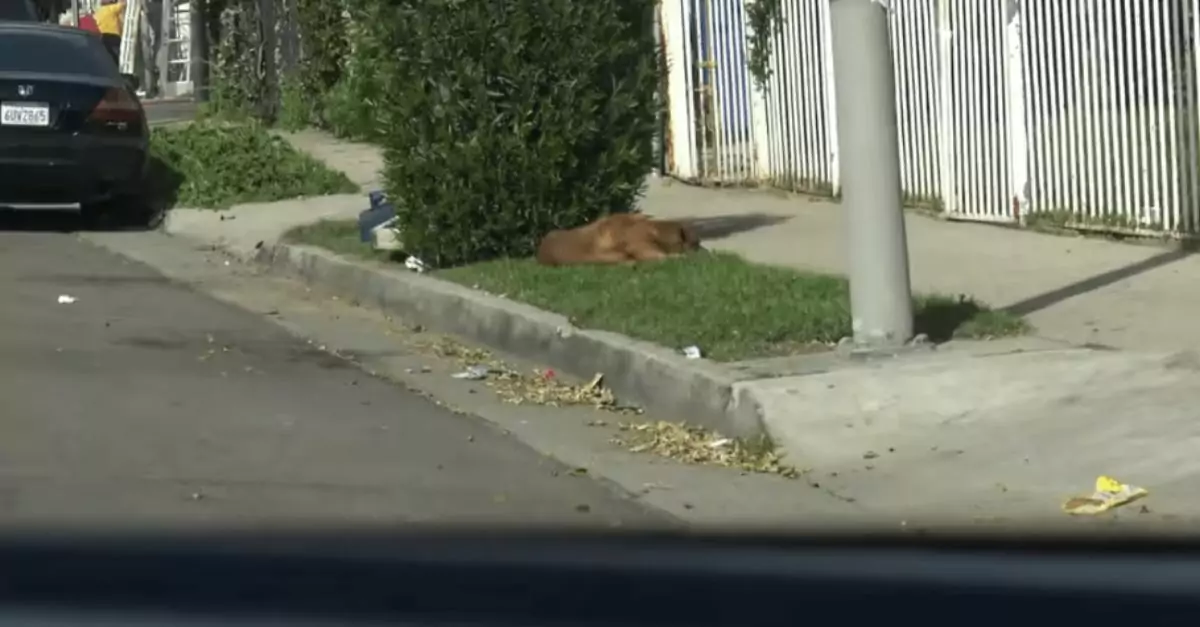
(145,402)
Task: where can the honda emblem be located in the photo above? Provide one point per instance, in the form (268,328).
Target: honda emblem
(25,91)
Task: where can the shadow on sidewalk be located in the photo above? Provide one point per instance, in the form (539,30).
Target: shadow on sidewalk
(1104,279)
(717,227)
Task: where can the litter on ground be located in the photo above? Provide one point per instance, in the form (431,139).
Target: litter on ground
(1109,495)
(473,373)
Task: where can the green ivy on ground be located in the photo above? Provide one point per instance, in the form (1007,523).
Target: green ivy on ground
(220,164)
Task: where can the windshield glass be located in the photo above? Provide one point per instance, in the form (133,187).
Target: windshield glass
(18,11)
(624,262)
(53,54)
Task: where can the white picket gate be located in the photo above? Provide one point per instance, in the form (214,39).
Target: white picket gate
(1083,112)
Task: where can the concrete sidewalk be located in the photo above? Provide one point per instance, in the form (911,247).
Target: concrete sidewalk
(995,429)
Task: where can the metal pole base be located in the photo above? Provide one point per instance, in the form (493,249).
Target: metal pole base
(869,158)
(849,349)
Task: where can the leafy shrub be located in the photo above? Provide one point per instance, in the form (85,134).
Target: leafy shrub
(296,110)
(252,71)
(351,107)
(238,87)
(324,51)
(223,164)
(504,120)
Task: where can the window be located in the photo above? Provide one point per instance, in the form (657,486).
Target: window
(18,10)
(52,53)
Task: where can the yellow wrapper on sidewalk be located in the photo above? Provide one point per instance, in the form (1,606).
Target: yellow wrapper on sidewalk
(1109,494)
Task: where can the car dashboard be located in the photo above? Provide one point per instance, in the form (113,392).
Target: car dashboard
(561,580)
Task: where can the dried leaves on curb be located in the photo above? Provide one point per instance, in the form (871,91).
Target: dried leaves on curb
(678,441)
(513,386)
(696,445)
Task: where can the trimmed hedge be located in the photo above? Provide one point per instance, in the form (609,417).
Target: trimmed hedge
(503,120)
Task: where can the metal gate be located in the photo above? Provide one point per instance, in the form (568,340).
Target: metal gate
(1084,112)
(1113,113)
(916,36)
(974,108)
(801,128)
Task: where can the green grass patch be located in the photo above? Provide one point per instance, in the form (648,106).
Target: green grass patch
(214,164)
(337,236)
(729,307)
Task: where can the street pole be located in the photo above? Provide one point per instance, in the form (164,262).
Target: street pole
(75,11)
(869,158)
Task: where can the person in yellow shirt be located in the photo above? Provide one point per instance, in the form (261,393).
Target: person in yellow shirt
(110,16)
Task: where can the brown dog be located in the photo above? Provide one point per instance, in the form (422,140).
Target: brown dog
(618,238)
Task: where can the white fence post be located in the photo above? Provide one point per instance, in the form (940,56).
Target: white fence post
(945,99)
(680,143)
(1018,134)
(835,172)
(1192,112)
(760,135)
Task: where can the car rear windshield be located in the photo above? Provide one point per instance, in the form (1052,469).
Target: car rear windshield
(18,11)
(53,53)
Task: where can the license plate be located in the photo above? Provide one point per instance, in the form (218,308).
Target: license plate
(24,114)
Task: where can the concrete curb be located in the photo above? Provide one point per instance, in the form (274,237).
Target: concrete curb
(638,372)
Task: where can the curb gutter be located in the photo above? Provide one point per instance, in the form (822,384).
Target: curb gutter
(640,373)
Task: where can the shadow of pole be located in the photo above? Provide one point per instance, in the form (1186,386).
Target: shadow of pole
(717,227)
(1090,284)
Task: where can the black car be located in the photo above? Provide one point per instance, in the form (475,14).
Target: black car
(72,129)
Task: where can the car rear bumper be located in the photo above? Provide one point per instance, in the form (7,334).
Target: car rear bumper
(77,169)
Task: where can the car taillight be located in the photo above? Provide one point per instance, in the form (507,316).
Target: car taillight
(118,110)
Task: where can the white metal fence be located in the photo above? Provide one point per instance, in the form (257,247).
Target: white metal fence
(1079,112)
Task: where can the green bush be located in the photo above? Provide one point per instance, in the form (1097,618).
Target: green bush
(221,164)
(238,87)
(296,110)
(504,120)
(324,51)
(350,108)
